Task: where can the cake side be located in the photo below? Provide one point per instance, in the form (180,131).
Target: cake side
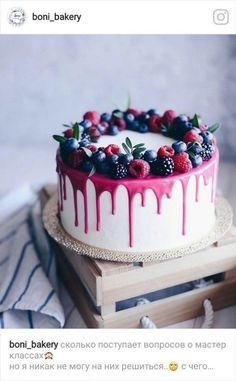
(138,215)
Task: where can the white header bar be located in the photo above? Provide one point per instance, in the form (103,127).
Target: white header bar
(118,17)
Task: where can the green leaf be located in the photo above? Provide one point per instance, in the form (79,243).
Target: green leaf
(76,131)
(214,127)
(118,114)
(195,121)
(93,170)
(191,154)
(128,101)
(87,151)
(138,145)
(137,153)
(58,138)
(126,149)
(128,142)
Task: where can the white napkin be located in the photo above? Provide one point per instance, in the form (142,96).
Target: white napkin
(28,281)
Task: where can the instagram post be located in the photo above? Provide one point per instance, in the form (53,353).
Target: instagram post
(117,191)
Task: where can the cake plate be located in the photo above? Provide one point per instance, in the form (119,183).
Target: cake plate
(224,219)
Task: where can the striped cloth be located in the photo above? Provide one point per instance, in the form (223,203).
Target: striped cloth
(28,279)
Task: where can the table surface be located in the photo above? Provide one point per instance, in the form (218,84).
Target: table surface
(36,165)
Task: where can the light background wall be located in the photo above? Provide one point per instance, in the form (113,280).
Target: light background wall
(49,80)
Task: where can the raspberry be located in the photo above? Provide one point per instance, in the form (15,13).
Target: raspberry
(119,122)
(112,149)
(133,111)
(92,148)
(166,151)
(154,123)
(182,162)
(192,136)
(68,133)
(169,117)
(76,158)
(93,116)
(94,134)
(139,168)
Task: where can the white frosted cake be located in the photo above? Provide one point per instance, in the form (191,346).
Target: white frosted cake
(137,182)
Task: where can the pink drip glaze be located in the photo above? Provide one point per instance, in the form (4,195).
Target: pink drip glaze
(159,185)
(61,197)
(184,182)
(64,186)
(76,206)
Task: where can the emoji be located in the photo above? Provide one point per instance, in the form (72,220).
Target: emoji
(173,366)
(48,356)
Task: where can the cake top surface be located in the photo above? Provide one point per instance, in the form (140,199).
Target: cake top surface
(136,144)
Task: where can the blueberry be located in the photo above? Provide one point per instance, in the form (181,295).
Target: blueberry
(105,117)
(101,128)
(69,145)
(98,157)
(179,146)
(113,159)
(113,130)
(181,118)
(101,149)
(195,148)
(150,155)
(143,118)
(207,137)
(143,128)
(103,167)
(126,159)
(187,126)
(87,166)
(134,126)
(152,112)
(84,143)
(196,161)
(86,123)
(181,125)
(129,118)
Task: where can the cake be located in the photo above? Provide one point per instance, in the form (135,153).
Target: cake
(137,181)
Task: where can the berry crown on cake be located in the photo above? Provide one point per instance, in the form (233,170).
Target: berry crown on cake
(194,143)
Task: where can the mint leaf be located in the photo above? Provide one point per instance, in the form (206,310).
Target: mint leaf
(139,145)
(58,138)
(137,153)
(93,170)
(128,142)
(214,127)
(191,154)
(76,131)
(195,121)
(118,114)
(87,151)
(126,149)
(128,102)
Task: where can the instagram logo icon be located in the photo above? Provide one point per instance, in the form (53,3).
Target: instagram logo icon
(221,16)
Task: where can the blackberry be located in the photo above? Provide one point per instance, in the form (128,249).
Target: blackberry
(118,171)
(207,151)
(163,166)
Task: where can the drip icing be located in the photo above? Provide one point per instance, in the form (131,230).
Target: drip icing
(64,186)
(160,186)
(61,197)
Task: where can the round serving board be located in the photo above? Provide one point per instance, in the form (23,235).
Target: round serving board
(224,219)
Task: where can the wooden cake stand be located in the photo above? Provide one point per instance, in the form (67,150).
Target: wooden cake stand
(97,286)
